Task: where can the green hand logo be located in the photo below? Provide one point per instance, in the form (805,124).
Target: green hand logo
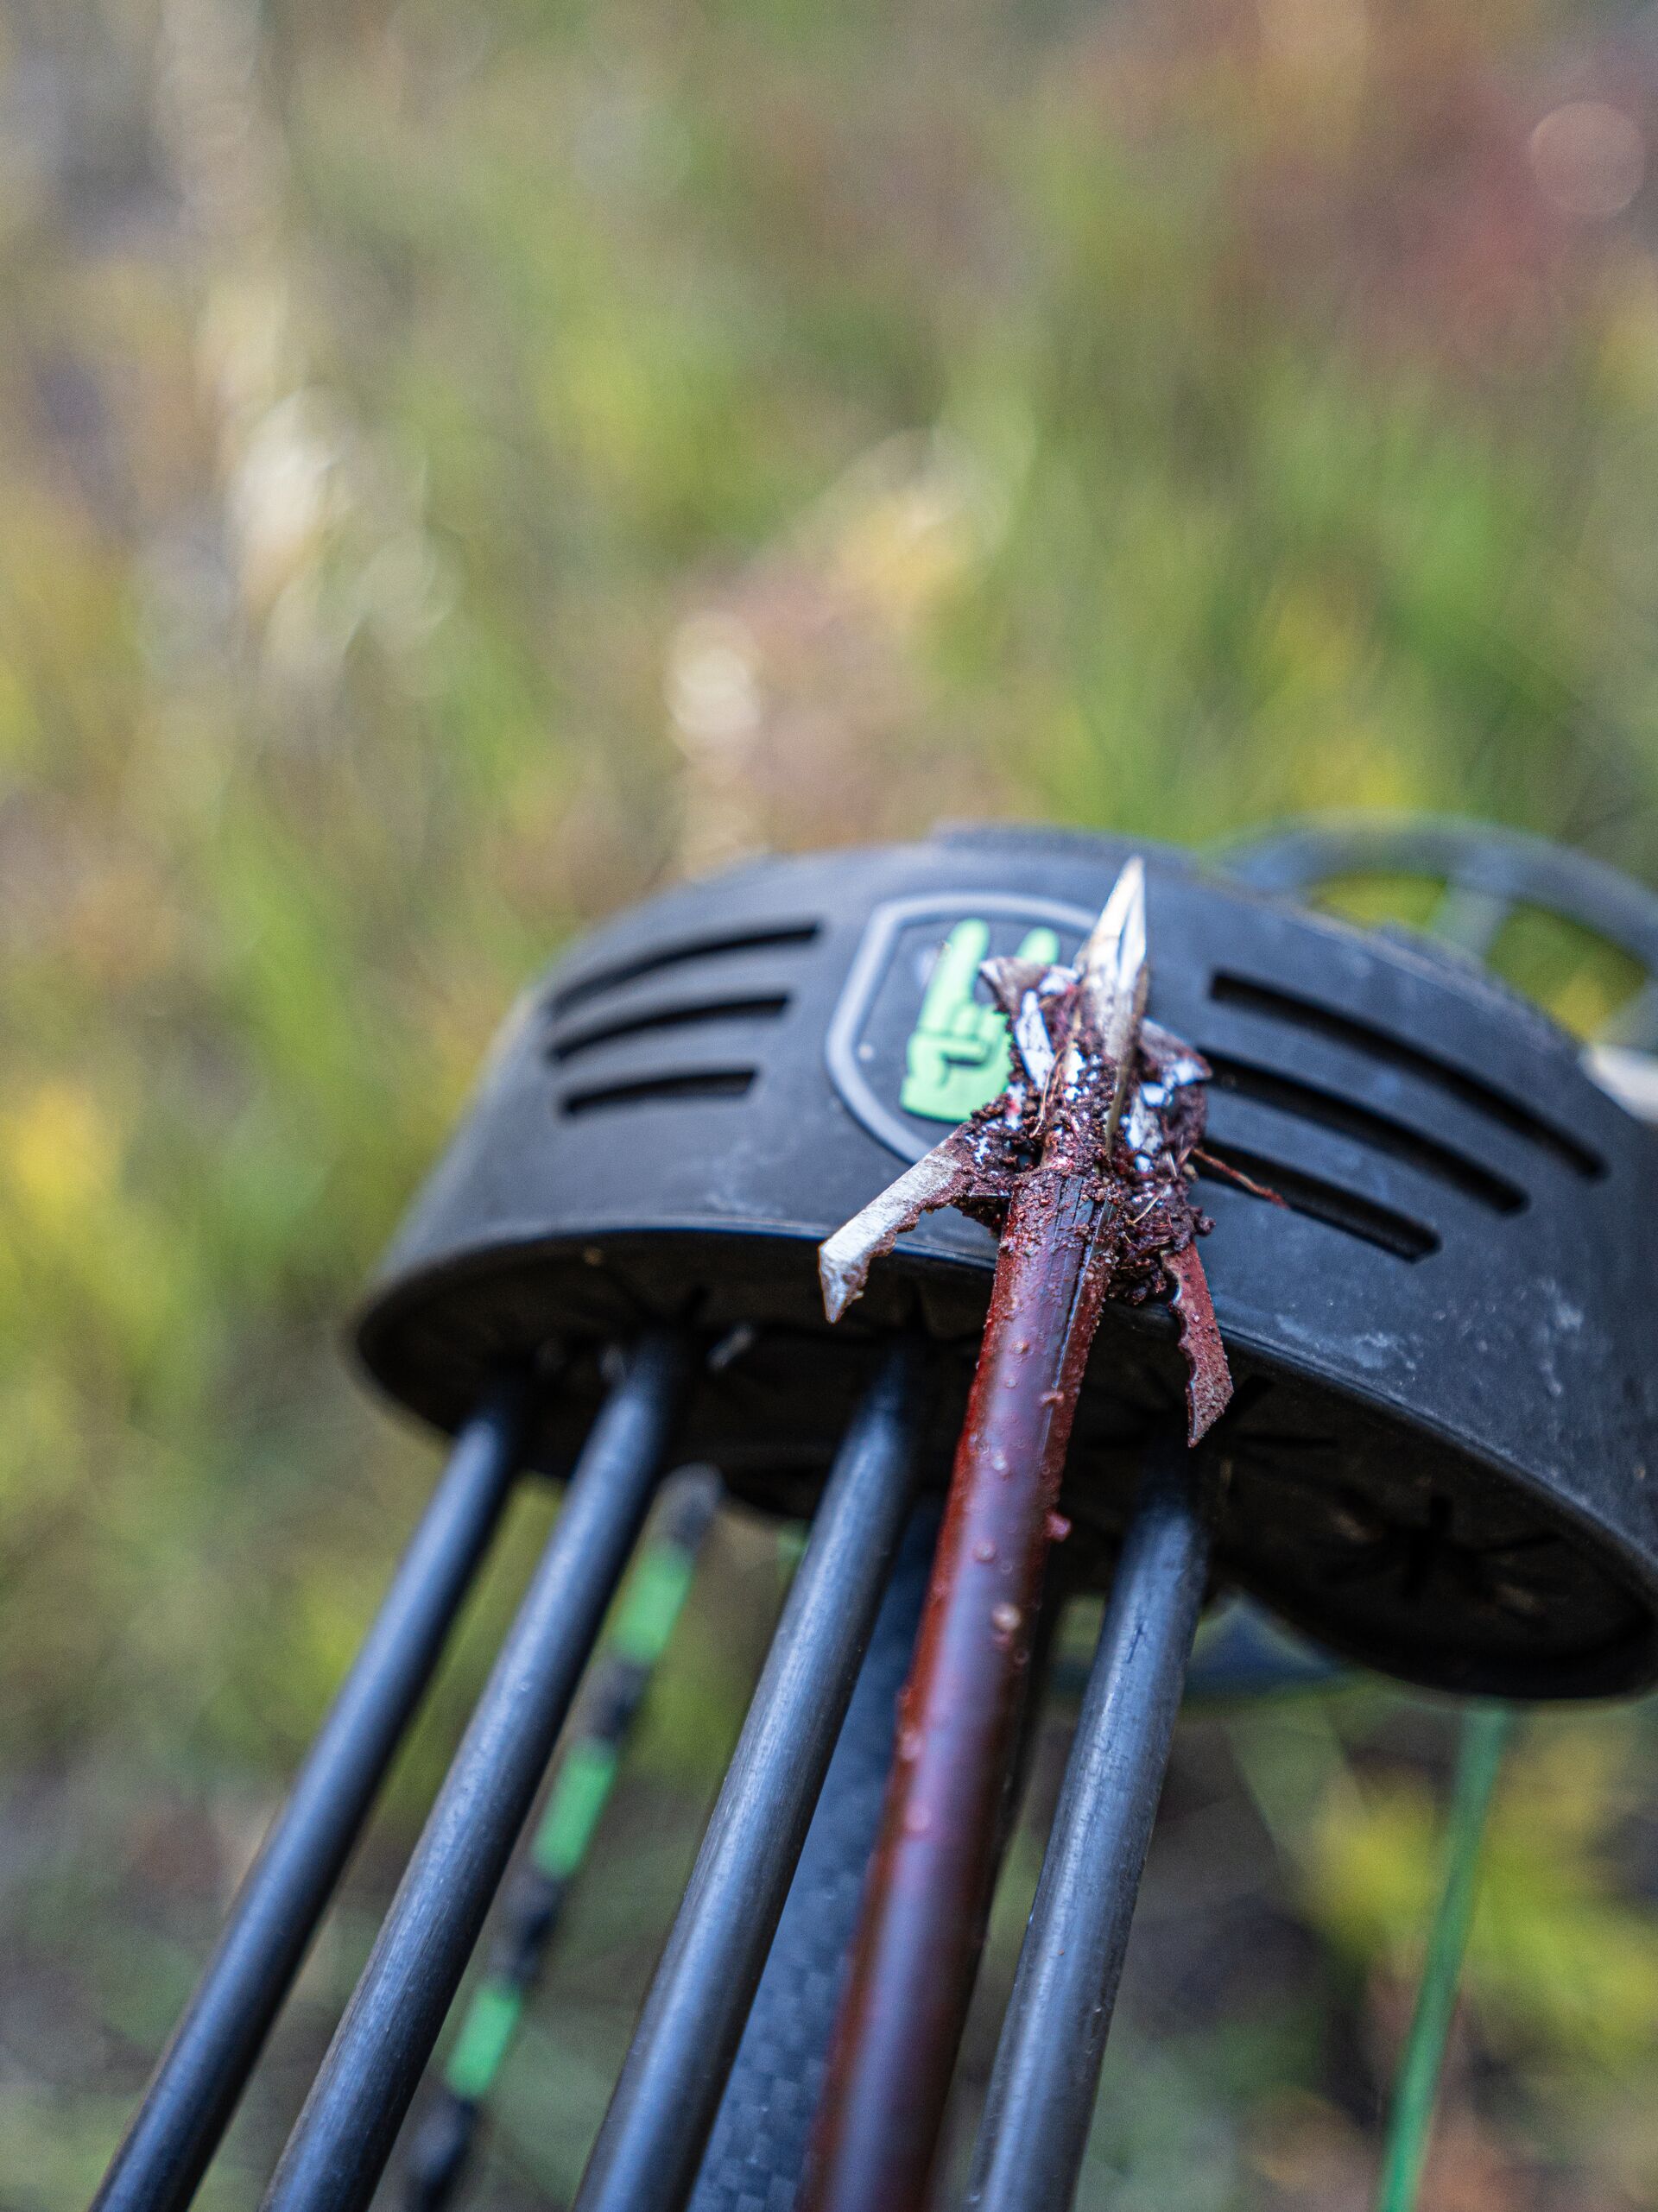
(957,1057)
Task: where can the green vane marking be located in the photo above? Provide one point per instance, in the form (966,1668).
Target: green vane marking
(643,1622)
(579,1791)
(1485,1732)
(484,2039)
(957,1057)
(651,1604)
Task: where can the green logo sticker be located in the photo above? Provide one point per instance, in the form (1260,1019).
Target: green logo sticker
(957,1057)
(913,1040)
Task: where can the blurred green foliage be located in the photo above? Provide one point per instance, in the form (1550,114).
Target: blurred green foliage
(462,465)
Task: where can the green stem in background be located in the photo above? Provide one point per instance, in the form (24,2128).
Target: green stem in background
(1486,1730)
(643,1621)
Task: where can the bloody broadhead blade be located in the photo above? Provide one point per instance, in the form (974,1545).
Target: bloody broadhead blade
(1081,1165)
(1113,975)
(1083,1058)
(938,1178)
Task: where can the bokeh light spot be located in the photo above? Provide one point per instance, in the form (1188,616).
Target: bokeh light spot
(1589,158)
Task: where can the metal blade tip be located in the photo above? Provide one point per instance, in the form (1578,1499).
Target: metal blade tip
(1117,947)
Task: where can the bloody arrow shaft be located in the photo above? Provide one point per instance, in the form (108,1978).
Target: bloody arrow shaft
(925,1912)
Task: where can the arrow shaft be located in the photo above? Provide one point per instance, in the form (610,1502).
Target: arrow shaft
(945,1812)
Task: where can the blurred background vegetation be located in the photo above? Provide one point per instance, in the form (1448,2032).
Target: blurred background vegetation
(462,465)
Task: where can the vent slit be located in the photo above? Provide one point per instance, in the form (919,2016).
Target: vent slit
(1320,1201)
(766,1007)
(673,956)
(654,1090)
(1376,1132)
(1319,1021)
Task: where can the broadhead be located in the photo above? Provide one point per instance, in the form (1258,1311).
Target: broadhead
(1115,970)
(1112,961)
(938,1178)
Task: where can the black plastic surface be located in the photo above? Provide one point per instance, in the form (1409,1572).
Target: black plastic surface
(1489,874)
(1444,1345)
